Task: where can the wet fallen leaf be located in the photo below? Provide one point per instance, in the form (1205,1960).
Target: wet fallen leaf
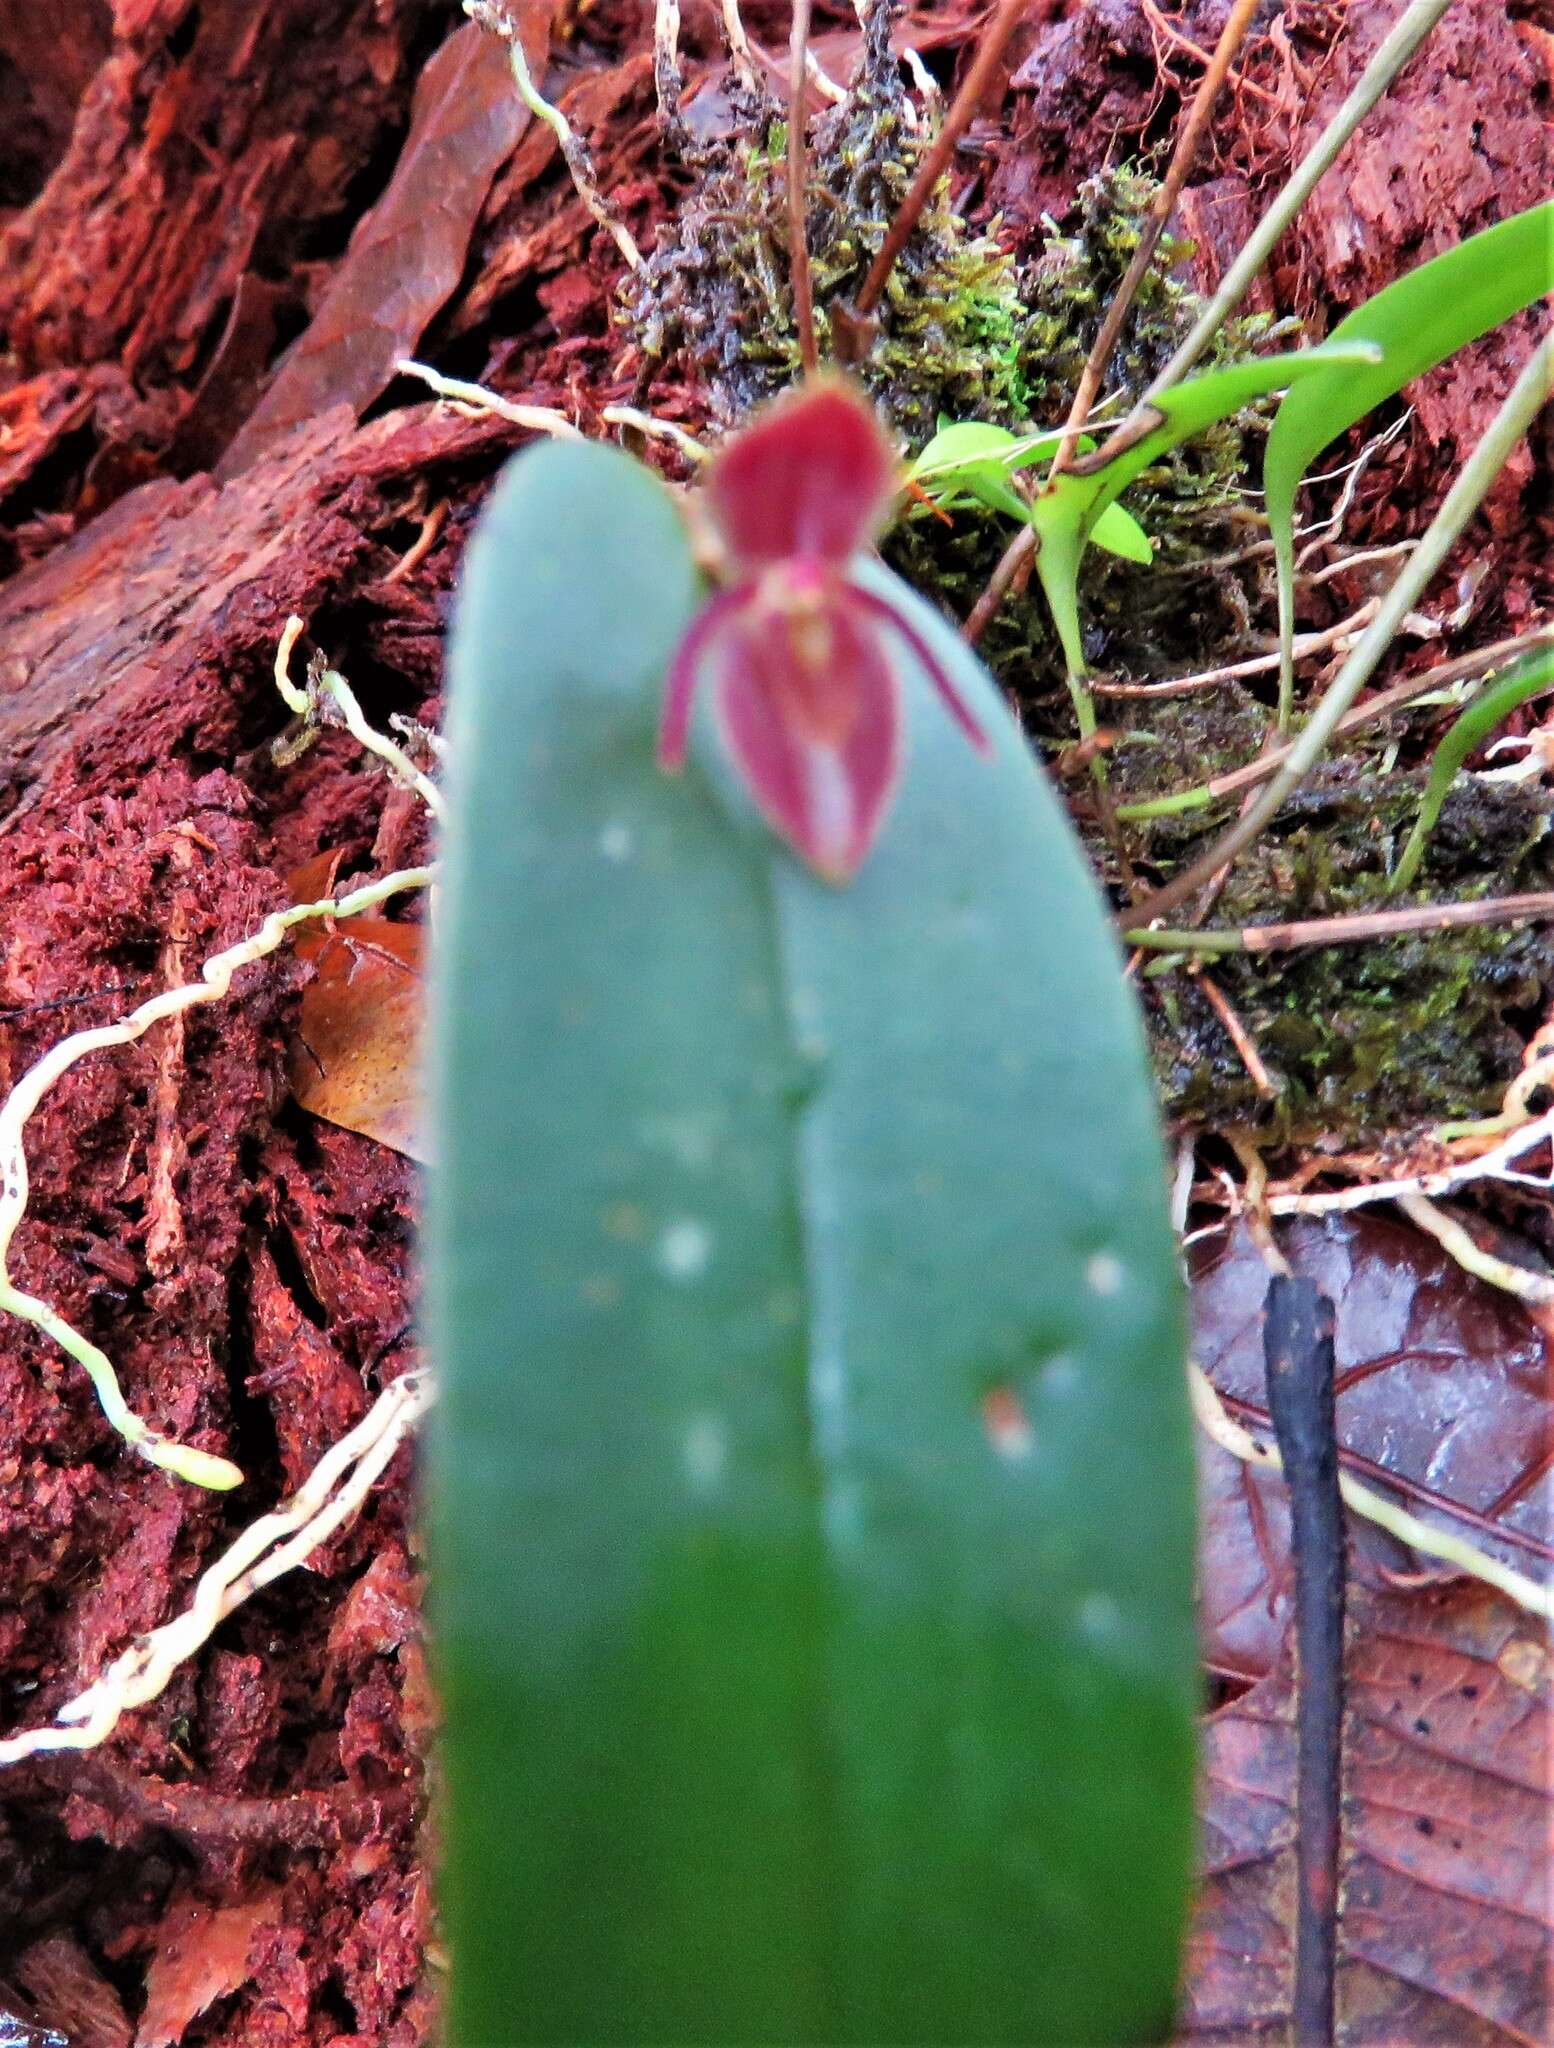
(202,1955)
(1445,1909)
(354,1061)
(408,252)
(1446,1384)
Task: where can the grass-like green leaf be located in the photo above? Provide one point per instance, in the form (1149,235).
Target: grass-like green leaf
(1068,511)
(1417,322)
(1491,707)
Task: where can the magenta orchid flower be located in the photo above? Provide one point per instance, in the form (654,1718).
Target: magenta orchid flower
(799,655)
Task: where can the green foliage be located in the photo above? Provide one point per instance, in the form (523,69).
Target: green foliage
(1414,323)
(811,1493)
(1523,680)
(1066,511)
(971,459)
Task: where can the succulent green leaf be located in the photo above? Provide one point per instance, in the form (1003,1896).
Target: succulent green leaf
(811,1487)
(1067,511)
(1416,322)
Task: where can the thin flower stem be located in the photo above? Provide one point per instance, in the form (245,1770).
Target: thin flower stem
(1516,414)
(1408,32)
(798,228)
(1161,208)
(934,164)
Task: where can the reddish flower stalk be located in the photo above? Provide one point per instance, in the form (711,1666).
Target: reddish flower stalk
(801,658)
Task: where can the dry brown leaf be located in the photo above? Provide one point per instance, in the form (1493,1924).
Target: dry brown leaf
(202,1955)
(1445,1910)
(408,252)
(1451,1389)
(355,1061)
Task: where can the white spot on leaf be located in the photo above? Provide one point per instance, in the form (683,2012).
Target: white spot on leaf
(685,1249)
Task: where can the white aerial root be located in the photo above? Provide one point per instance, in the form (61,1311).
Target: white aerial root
(662,430)
(496,21)
(341,1480)
(278,1542)
(475,399)
(215,982)
(326,685)
(1503,1163)
(200,1468)
(1455,1551)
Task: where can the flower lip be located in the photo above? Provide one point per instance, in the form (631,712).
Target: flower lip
(811,476)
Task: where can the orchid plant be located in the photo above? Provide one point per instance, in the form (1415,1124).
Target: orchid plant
(811,1492)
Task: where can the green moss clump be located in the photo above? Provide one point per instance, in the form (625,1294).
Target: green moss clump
(1363,1039)
(717,291)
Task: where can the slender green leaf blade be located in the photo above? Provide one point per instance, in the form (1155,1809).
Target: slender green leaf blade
(1417,322)
(1065,513)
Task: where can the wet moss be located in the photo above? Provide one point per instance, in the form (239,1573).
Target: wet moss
(1377,1037)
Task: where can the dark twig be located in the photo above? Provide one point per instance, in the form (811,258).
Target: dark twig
(855,334)
(1298,1349)
(798,229)
(62,1002)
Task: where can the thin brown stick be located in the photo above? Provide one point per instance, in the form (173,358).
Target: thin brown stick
(1382,705)
(1161,207)
(798,230)
(1259,664)
(1242,1039)
(1349,931)
(990,48)
(1020,549)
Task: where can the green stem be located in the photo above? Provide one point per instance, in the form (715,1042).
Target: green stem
(1166,806)
(1410,30)
(1478,473)
(1475,725)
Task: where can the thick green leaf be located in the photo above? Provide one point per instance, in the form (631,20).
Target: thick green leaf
(1417,322)
(811,1490)
(970,459)
(1067,512)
